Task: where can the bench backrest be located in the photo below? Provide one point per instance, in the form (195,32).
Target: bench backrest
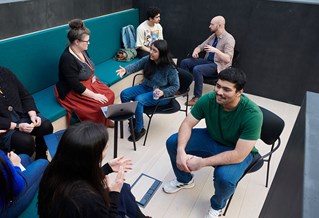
(34,57)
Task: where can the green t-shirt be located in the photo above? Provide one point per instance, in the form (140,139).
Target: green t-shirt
(243,122)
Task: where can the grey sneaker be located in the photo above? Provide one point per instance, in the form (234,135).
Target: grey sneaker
(213,213)
(174,186)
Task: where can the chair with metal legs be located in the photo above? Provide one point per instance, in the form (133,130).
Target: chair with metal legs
(271,130)
(185,79)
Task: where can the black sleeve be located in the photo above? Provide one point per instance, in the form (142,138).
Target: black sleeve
(107,169)
(69,72)
(114,203)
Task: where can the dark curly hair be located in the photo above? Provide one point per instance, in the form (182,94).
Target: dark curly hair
(152,12)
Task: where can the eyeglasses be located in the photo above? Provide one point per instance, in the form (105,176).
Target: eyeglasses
(87,41)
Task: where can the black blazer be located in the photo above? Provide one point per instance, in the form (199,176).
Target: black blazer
(13,96)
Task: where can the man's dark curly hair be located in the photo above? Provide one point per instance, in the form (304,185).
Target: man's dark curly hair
(152,12)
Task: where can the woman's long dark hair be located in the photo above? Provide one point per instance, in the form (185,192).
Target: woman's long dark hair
(164,59)
(78,158)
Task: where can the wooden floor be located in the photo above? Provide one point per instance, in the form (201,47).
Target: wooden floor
(153,160)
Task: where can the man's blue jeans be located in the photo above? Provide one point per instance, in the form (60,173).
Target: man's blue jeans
(32,175)
(199,67)
(144,95)
(225,176)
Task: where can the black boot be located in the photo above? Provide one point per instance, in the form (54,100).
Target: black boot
(138,135)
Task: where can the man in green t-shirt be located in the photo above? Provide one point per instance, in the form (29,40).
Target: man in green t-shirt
(233,126)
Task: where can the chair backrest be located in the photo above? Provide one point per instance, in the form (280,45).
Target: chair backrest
(185,80)
(235,58)
(271,130)
(272,127)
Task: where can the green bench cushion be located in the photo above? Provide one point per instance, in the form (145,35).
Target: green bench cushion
(48,105)
(32,210)
(34,57)
(106,71)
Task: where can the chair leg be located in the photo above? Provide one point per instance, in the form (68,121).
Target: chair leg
(186,104)
(121,129)
(147,129)
(132,132)
(227,205)
(115,138)
(267,175)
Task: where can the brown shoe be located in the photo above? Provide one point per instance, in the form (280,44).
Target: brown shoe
(192,101)
(109,124)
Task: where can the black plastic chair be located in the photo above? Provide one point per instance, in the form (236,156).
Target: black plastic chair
(185,79)
(271,130)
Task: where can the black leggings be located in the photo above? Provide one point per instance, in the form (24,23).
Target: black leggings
(23,143)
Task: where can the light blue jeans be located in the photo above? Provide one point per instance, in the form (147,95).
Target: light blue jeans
(199,67)
(32,175)
(144,95)
(225,176)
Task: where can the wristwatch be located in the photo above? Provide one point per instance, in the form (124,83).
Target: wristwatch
(17,127)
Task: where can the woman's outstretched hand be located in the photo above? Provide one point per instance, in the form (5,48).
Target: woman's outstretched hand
(118,162)
(120,72)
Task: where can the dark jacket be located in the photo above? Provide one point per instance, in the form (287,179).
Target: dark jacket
(69,70)
(13,96)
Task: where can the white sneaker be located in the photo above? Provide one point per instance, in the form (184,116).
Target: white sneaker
(213,213)
(174,186)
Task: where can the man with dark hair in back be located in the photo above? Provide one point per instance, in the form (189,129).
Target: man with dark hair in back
(148,31)
(227,143)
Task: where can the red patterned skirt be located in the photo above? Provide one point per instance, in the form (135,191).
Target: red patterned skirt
(87,108)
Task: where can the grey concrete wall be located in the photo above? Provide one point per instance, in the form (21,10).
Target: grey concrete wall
(33,15)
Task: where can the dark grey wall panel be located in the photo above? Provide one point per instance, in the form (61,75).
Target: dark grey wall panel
(278,41)
(278,54)
(29,16)
(294,190)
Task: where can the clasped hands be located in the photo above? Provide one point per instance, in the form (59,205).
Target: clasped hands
(189,163)
(28,127)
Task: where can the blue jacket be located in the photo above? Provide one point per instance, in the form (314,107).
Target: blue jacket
(129,36)
(18,181)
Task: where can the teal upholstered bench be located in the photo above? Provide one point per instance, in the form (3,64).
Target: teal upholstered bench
(32,210)
(34,57)
(106,71)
